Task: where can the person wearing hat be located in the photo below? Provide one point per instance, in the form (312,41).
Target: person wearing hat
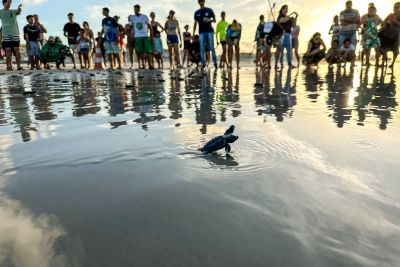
(174,39)
(71,31)
(140,25)
(54,51)
(10,33)
(349,22)
(204,17)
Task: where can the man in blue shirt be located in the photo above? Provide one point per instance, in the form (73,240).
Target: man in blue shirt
(204,17)
(110,31)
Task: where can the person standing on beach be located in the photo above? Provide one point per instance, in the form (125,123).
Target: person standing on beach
(157,45)
(295,40)
(286,22)
(42,28)
(389,35)
(370,39)
(10,33)
(130,43)
(260,39)
(92,41)
(187,39)
(233,35)
(71,31)
(335,29)
(141,27)
(349,22)
(174,39)
(221,33)
(110,31)
(204,17)
(32,36)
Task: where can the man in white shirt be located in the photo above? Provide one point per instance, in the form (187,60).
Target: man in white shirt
(140,27)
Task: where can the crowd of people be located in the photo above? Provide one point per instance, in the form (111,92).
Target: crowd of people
(143,40)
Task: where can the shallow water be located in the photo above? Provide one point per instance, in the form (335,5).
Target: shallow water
(102,169)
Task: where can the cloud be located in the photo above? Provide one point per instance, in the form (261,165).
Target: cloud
(34,2)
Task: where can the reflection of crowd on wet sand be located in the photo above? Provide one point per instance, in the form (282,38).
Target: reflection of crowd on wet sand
(143,39)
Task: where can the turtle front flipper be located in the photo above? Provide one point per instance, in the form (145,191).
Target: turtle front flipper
(227,148)
(230,130)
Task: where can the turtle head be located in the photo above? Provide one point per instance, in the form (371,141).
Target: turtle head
(231,138)
(230,130)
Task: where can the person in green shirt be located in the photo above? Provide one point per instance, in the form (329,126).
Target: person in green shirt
(221,32)
(10,32)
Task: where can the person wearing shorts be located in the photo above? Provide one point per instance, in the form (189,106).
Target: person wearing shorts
(204,17)
(110,31)
(130,43)
(141,25)
(32,36)
(71,31)
(233,35)
(10,33)
(221,32)
(173,35)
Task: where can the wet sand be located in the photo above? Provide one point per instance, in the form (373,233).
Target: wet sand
(102,168)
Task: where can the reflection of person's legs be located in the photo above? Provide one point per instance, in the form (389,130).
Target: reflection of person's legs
(202,40)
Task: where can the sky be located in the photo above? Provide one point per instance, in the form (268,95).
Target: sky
(313,16)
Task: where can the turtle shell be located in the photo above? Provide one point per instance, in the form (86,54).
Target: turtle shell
(214,144)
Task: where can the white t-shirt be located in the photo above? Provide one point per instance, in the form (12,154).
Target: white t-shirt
(351,48)
(139,24)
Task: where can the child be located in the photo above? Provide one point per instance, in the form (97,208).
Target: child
(333,54)
(348,52)
(32,36)
(335,29)
(194,51)
(187,37)
(158,49)
(261,58)
(83,48)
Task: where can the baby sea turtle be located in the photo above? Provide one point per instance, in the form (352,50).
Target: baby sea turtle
(221,142)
